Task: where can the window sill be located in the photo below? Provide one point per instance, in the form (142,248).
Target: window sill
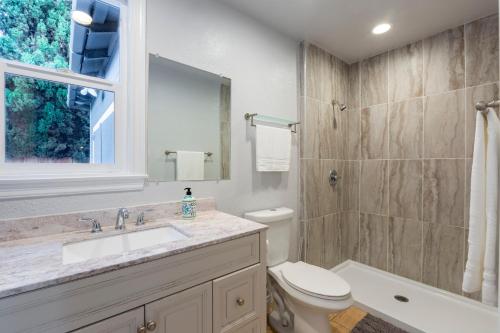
(14,188)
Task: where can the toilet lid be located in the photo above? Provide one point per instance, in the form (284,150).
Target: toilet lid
(315,281)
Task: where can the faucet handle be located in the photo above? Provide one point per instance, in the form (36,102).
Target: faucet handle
(140,219)
(96,226)
(123,212)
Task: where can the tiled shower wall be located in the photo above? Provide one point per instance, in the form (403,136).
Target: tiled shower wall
(323,148)
(408,137)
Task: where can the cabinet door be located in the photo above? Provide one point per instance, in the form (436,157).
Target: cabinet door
(189,311)
(127,322)
(238,299)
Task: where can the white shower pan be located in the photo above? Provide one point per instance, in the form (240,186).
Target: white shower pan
(429,309)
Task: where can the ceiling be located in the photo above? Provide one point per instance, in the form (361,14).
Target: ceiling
(343,27)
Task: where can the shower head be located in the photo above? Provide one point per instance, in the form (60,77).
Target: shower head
(341,106)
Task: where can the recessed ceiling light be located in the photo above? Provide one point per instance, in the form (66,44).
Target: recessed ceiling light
(381,28)
(81,17)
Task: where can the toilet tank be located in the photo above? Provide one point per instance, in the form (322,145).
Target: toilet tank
(279,221)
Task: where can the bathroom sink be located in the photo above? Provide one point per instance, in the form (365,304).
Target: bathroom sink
(118,244)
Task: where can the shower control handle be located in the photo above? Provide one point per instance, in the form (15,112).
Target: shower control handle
(333,177)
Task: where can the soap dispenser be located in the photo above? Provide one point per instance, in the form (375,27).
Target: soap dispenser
(188,205)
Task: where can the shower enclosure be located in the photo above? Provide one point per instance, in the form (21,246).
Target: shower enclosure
(402,149)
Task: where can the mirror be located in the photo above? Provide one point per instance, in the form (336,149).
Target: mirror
(188,122)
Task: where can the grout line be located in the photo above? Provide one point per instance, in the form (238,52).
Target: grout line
(465,150)
(359,166)
(302,179)
(403,159)
(422,152)
(387,124)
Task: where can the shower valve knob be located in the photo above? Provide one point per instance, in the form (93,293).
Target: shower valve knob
(333,178)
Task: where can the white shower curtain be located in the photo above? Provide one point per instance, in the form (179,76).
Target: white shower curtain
(481,271)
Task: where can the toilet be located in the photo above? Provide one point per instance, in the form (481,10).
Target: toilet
(310,292)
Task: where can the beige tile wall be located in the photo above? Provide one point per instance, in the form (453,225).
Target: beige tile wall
(407,138)
(323,149)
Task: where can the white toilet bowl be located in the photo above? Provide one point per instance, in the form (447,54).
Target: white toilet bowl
(311,293)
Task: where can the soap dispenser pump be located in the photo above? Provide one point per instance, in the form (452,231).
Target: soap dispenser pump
(188,205)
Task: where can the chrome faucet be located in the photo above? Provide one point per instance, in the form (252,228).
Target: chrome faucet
(120,218)
(96,226)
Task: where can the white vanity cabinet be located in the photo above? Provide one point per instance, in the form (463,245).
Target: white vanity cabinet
(216,288)
(127,322)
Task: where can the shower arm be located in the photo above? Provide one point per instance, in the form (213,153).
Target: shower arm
(341,106)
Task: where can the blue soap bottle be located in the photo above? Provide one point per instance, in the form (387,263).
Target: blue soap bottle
(188,205)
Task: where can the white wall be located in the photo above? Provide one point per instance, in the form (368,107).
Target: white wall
(262,66)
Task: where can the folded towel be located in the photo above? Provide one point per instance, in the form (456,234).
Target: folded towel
(190,165)
(481,268)
(477,213)
(490,279)
(273,146)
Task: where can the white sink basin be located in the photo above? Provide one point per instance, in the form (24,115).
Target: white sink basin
(118,244)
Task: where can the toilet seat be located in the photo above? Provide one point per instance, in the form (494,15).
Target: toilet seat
(294,295)
(315,281)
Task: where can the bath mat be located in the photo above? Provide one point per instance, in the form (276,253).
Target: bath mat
(355,320)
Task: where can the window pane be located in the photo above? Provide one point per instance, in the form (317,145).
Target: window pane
(54,34)
(52,122)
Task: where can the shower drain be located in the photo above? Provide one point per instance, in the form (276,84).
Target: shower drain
(401,298)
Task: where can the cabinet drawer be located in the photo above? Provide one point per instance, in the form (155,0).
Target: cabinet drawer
(236,299)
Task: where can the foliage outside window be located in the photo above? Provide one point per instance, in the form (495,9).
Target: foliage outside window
(46,118)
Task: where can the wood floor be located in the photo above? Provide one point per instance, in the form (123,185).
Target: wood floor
(342,322)
(355,320)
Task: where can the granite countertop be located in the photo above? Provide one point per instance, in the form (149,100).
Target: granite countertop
(34,263)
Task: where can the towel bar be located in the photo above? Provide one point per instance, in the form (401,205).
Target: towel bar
(291,124)
(483,106)
(168,152)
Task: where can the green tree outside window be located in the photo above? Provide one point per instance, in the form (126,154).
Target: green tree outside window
(39,124)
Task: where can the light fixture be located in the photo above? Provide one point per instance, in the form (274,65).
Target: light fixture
(90,91)
(81,17)
(381,28)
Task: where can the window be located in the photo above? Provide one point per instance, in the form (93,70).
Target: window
(63,88)
(50,121)
(53,122)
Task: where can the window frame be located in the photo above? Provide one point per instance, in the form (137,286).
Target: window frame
(128,172)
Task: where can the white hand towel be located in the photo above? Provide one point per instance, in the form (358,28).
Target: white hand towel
(477,214)
(490,280)
(272,147)
(190,165)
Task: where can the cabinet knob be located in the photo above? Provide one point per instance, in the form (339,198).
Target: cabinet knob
(151,325)
(141,329)
(240,301)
